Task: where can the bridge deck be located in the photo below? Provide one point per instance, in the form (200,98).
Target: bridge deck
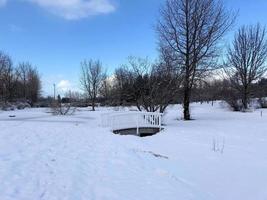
(133,123)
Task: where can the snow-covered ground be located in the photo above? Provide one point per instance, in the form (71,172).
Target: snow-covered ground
(73,158)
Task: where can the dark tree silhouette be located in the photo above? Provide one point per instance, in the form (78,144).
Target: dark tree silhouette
(246,60)
(189,31)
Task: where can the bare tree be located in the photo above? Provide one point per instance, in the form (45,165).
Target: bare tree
(105,90)
(150,86)
(60,108)
(5,62)
(189,32)
(22,71)
(4,59)
(164,85)
(260,92)
(28,82)
(16,83)
(246,60)
(33,85)
(92,78)
(73,95)
(123,85)
(7,78)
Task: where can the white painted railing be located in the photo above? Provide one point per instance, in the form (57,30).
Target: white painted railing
(128,120)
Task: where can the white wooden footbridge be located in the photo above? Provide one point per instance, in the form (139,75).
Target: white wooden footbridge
(139,123)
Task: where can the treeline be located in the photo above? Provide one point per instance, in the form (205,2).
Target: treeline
(18,82)
(222,89)
(154,86)
(148,86)
(192,65)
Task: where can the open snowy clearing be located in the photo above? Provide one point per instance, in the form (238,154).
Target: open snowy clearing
(73,158)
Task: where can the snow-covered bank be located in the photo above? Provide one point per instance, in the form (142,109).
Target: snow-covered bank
(72,157)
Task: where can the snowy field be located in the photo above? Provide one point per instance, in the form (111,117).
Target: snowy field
(221,155)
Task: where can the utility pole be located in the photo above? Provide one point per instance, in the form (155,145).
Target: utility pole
(54,91)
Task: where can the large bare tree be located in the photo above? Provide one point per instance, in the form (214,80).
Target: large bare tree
(92,77)
(246,60)
(189,32)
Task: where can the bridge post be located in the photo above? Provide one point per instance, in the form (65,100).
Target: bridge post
(112,124)
(159,121)
(137,125)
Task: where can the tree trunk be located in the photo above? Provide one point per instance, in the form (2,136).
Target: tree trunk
(186,104)
(245,99)
(93,104)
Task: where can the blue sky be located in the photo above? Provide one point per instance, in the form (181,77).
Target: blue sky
(56,35)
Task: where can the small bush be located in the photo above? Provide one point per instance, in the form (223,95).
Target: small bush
(235,104)
(22,105)
(62,109)
(262,102)
(7,106)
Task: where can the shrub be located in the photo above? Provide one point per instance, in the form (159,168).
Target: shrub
(59,108)
(262,102)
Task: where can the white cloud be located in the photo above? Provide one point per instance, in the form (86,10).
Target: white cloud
(74,9)
(64,86)
(2,2)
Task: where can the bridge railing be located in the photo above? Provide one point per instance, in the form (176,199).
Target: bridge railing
(127,120)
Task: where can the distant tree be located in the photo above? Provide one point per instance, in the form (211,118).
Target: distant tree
(231,96)
(246,60)
(21,82)
(189,32)
(150,86)
(105,89)
(7,78)
(164,85)
(261,92)
(4,59)
(123,86)
(92,76)
(59,107)
(209,90)
(73,95)
(23,71)
(33,85)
